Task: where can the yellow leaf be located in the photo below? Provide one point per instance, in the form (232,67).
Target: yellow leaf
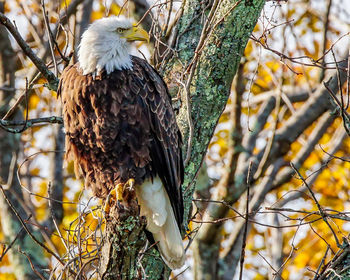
(290,13)
(35,171)
(274,65)
(249,48)
(285,274)
(224,117)
(258,276)
(97,15)
(70,167)
(33,101)
(41,213)
(114,9)
(65,4)
(6,11)
(301,260)
(7,276)
(41,81)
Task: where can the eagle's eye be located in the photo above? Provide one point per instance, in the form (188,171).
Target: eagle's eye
(120,30)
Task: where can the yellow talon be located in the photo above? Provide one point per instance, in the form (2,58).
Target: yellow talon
(117,194)
(129,184)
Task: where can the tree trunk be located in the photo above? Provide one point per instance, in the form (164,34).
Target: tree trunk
(123,254)
(208,91)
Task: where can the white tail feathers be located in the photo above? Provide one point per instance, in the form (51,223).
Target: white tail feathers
(161,222)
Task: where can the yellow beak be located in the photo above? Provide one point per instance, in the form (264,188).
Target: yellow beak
(136,33)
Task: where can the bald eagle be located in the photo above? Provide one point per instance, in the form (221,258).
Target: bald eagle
(120,125)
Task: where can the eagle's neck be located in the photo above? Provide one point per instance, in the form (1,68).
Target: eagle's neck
(95,56)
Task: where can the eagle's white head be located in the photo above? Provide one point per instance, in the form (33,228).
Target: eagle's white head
(105,45)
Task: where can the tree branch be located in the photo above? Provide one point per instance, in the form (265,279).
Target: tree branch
(7,125)
(50,77)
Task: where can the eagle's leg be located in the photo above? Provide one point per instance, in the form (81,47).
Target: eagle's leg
(129,185)
(114,195)
(117,194)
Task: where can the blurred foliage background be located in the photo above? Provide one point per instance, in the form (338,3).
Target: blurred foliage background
(295,47)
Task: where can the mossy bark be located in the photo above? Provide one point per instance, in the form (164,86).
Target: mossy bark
(124,254)
(338,267)
(209,91)
(217,65)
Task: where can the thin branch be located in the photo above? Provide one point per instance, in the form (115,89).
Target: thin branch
(270,265)
(263,161)
(333,156)
(244,243)
(338,258)
(50,77)
(54,219)
(323,215)
(11,244)
(5,124)
(325,37)
(50,36)
(345,116)
(32,265)
(27,229)
(20,98)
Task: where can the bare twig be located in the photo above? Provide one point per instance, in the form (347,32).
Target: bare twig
(12,242)
(325,37)
(26,119)
(26,228)
(32,265)
(324,216)
(50,77)
(270,141)
(7,125)
(246,224)
(50,36)
(321,263)
(54,219)
(333,156)
(270,265)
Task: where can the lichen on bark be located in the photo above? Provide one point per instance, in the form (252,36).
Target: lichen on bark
(209,89)
(124,254)
(217,65)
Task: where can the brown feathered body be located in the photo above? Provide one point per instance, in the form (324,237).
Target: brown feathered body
(121,126)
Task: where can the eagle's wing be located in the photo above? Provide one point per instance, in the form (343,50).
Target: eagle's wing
(165,149)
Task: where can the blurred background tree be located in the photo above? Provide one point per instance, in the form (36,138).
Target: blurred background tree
(270,199)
